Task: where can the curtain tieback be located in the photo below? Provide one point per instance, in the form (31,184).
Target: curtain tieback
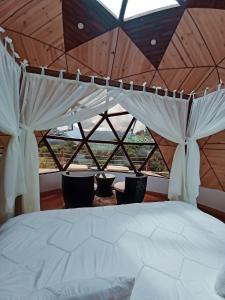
(187,141)
(23,127)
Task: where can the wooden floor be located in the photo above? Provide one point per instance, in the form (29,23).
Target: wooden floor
(54,200)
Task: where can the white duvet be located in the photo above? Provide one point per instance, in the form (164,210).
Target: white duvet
(172,249)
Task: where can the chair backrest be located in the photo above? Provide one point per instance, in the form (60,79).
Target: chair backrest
(135,188)
(78,191)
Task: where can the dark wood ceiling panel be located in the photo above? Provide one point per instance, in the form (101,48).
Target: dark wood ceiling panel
(51,33)
(214,32)
(33,16)
(128,60)
(174,78)
(159,26)
(9,7)
(95,18)
(219,4)
(98,53)
(192,41)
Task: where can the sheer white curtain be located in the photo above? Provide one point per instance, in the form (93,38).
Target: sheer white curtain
(12,181)
(168,117)
(207,117)
(46,103)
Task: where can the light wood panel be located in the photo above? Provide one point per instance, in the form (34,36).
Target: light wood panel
(73,65)
(210,181)
(204,164)
(192,41)
(33,16)
(129,60)
(168,154)
(51,33)
(218,138)
(140,78)
(10,7)
(216,159)
(211,23)
(174,78)
(211,82)
(221,74)
(158,81)
(195,78)
(98,54)
(182,50)
(59,64)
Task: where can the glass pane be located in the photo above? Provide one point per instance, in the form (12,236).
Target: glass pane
(65,131)
(115,109)
(89,124)
(83,160)
(102,151)
(113,6)
(135,7)
(120,123)
(157,165)
(138,153)
(103,133)
(138,133)
(119,160)
(46,162)
(63,150)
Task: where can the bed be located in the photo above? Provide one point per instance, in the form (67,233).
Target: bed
(173,250)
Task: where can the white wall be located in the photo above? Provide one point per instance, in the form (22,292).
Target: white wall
(208,197)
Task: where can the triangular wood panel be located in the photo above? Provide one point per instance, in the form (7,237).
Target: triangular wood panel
(211,24)
(139,79)
(143,29)
(210,181)
(216,140)
(95,18)
(59,64)
(174,78)
(73,65)
(211,82)
(10,7)
(33,16)
(182,50)
(98,54)
(51,33)
(192,41)
(158,81)
(195,78)
(168,154)
(204,164)
(128,60)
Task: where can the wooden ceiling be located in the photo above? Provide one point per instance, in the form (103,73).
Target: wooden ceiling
(189,53)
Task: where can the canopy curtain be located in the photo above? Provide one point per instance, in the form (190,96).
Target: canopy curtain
(207,117)
(168,117)
(11,177)
(48,102)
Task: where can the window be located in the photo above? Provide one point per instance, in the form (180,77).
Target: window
(113,6)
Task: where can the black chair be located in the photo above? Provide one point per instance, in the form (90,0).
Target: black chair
(78,189)
(134,191)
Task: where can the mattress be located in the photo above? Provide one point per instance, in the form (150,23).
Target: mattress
(172,249)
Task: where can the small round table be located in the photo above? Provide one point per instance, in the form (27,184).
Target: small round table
(104,184)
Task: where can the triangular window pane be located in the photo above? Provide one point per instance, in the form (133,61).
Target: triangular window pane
(82,161)
(119,162)
(102,151)
(138,153)
(89,124)
(157,165)
(66,131)
(113,6)
(121,123)
(103,133)
(135,8)
(116,109)
(63,149)
(46,161)
(138,133)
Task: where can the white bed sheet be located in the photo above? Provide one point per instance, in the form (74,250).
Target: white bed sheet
(172,249)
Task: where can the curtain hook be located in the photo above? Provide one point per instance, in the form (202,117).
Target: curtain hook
(192,94)
(174,93)
(166,92)
(219,85)
(144,86)
(43,70)
(121,83)
(78,75)
(93,78)
(181,94)
(107,80)
(16,55)
(61,73)
(24,64)
(2,30)
(206,91)
(131,85)
(157,88)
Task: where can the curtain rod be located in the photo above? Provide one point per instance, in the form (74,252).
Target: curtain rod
(101,81)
